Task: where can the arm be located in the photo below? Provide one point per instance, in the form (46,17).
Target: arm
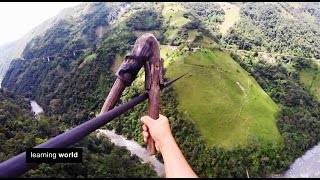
(175,163)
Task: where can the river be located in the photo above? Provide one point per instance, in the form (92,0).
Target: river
(119,140)
(36,108)
(134,148)
(306,166)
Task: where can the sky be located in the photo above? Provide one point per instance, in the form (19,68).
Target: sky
(17,18)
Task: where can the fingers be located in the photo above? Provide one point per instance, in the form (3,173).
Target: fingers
(146,120)
(145,136)
(145,133)
(161,116)
(145,127)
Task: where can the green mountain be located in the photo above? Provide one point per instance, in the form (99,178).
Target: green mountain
(248,105)
(78,32)
(226,103)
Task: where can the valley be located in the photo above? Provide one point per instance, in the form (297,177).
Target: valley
(250,105)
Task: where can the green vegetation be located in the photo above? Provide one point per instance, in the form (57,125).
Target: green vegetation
(109,160)
(69,33)
(311,79)
(88,59)
(173,18)
(307,77)
(171,33)
(278,27)
(71,95)
(180,18)
(223,100)
(20,130)
(298,120)
(91,57)
(72,89)
(232,16)
(166,51)
(192,34)
(259,160)
(145,20)
(210,13)
(116,63)
(173,15)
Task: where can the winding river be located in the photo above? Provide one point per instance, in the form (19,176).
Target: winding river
(134,148)
(306,166)
(119,140)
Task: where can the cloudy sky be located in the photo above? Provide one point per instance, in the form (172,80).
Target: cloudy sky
(17,18)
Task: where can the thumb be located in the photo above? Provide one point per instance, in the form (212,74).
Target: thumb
(146,120)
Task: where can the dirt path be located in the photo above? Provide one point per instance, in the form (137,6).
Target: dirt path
(242,89)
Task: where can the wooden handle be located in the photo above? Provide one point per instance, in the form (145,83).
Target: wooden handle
(113,96)
(153,103)
(151,148)
(153,85)
(147,48)
(141,49)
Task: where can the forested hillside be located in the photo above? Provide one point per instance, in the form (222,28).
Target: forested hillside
(236,114)
(81,26)
(285,28)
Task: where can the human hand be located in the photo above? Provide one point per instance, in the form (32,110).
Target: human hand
(158,129)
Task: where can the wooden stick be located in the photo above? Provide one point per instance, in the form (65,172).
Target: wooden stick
(113,96)
(153,84)
(143,50)
(147,49)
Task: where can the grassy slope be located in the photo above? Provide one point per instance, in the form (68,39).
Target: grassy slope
(211,97)
(232,16)
(173,15)
(192,35)
(176,11)
(311,79)
(116,63)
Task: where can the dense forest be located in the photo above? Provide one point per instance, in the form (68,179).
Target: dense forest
(72,88)
(272,27)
